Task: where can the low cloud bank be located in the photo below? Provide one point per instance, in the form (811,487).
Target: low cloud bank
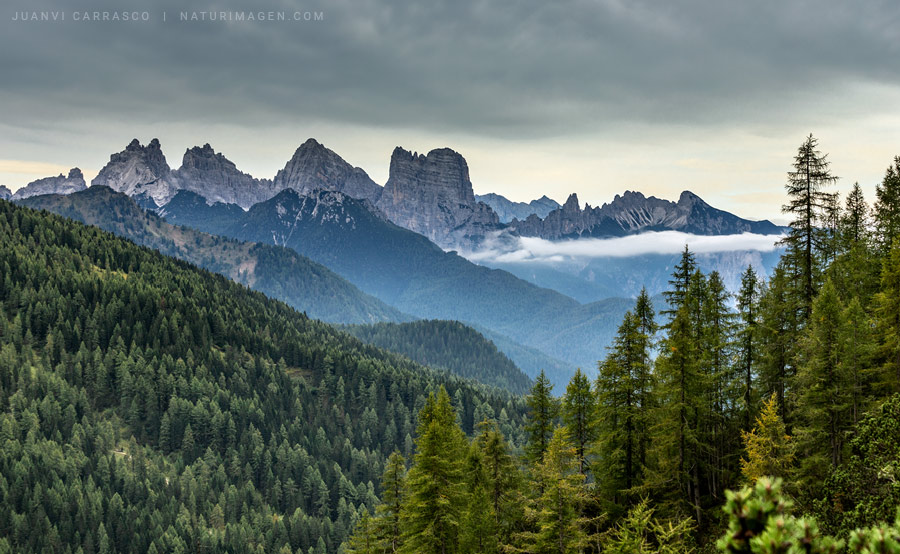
(538,250)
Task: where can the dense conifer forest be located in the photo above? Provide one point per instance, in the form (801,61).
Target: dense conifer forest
(149,406)
(447,345)
(765,422)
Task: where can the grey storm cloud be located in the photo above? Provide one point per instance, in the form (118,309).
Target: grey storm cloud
(506,68)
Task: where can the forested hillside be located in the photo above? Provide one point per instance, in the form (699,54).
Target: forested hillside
(150,406)
(278,272)
(792,400)
(448,345)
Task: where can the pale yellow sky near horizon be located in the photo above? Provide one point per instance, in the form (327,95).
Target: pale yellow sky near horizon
(741,172)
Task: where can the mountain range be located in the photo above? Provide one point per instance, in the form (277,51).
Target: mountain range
(430,194)
(327,239)
(278,272)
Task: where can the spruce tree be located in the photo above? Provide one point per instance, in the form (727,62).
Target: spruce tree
(578,408)
(887,314)
(887,207)
(855,218)
(748,338)
(543,409)
(807,202)
(393,495)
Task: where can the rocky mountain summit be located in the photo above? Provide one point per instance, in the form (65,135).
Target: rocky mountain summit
(216,178)
(5,193)
(433,196)
(61,184)
(633,213)
(313,166)
(507,210)
(139,170)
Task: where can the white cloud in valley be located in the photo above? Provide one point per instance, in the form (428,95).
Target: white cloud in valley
(537,250)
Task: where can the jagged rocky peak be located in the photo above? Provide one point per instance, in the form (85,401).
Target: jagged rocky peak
(313,166)
(213,176)
(432,195)
(441,172)
(5,193)
(138,170)
(61,184)
(572,205)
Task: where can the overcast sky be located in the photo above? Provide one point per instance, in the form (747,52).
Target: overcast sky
(593,97)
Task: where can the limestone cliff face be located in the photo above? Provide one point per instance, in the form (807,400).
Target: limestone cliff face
(315,167)
(217,179)
(432,195)
(61,184)
(632,213)
(139,171)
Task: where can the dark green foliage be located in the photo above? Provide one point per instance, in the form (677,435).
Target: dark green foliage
(865,491)
(760,521)
(887,207)
(146,405)
(808,204)
(543,411)
(447,345)
(431,518)
(407,271)
(278,272)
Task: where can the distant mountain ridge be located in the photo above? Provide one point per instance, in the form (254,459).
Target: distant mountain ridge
(61,184)
(633,213)
(431,194)
(507,210)
(406,270)
(278,272)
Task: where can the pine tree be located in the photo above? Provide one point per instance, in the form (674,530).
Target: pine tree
(578,409)
(437,496)
(543,409)
(887,207)
(807,203)
(768,448)
(748,338)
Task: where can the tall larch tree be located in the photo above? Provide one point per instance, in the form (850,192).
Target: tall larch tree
(806,205)
(619,445)
(824,389)
(436,484)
